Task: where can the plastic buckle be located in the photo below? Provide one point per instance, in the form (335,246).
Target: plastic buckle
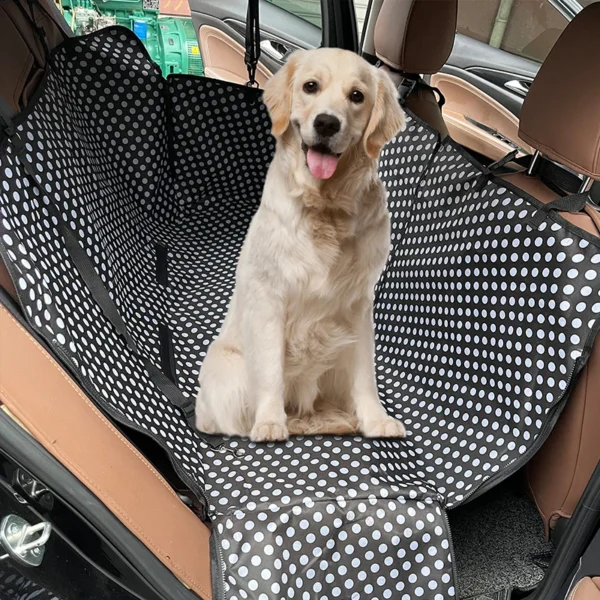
(252,75)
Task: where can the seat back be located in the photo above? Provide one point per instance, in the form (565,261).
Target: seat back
(19,40)
(23,73)
(561,120)
(37,392)
(414,38)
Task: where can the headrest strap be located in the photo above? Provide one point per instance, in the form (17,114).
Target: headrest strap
(252,55)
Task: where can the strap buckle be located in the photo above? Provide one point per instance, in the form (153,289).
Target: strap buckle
(252,67)
(405,89)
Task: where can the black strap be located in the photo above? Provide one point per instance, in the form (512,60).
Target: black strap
(88,273)
(573,204)
(252,54)
(6,119)
(40,30)
(167,354)
(441,98)
(487,172)
(405,89)
(162,261)
(558,178)
(409,84)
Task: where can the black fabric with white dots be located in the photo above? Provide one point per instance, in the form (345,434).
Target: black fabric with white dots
(482,320)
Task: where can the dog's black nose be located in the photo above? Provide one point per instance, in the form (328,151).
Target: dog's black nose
(327,125)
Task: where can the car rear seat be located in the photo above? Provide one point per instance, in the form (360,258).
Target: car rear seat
(414,38)
(561,119)
(22,74)
(37,392)
(561,470)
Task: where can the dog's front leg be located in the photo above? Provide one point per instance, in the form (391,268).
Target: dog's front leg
(265,349)
(373,420)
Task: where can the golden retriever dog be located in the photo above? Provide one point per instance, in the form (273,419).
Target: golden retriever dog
(295,354)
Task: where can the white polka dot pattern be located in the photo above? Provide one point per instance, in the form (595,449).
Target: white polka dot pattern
(491,319)
(481,321)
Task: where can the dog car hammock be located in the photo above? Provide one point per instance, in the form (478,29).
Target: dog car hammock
(125,199)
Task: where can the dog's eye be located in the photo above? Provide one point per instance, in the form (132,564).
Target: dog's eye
(357,97)
(310,87)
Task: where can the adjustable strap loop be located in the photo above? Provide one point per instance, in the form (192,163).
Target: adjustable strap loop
(441,97)
(557,178)
(405,89)
(252,55)
(560,179)
(572,204)
(484,175)
(408,85)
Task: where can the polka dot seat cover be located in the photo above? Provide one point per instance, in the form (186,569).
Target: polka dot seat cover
(482,319)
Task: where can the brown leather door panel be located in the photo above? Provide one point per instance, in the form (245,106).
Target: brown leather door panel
(224,58)
(41,396)
(463,102)
(586,589)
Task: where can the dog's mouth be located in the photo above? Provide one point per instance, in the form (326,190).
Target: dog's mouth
(320,160)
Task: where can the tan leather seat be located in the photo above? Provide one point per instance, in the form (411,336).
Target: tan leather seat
(413,38)
(37,392)
(561,119)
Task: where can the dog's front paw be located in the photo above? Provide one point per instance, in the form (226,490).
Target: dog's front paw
(205,424)
(204,421)
(387,427)
(269,431)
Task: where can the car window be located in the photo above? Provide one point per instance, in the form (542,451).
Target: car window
(527,28)
(308,10)
(361,7)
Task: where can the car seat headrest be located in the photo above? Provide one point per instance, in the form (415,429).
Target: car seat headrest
(561,113)
(415,36)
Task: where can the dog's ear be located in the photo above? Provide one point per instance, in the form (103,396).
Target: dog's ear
(277,95)
(387,118)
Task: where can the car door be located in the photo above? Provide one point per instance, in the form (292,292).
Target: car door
(499,48)
(285,26)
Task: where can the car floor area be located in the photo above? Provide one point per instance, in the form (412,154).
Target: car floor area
(499,542)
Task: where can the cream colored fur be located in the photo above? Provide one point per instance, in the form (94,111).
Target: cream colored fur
(296,351)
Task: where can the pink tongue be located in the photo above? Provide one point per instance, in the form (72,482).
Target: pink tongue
(321,166)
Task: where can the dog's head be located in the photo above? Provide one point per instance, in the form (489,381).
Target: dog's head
(329,101)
